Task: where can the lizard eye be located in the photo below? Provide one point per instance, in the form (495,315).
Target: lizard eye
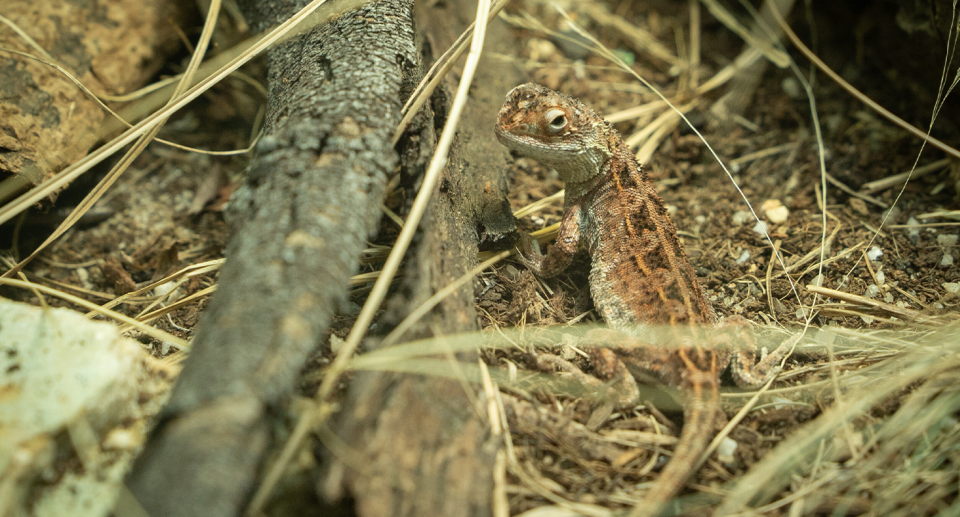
(556,120)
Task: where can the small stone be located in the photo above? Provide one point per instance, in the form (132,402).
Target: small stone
(947,260)
(121,439)
(778,215)
(874,253)
(881,278)
(859,206)
(726,449)
(817,281)
(761,227)
(792,88)
(951,287)
(742,216)
(540,49)
(745,256)
(888,297)
(164,289)
(890,215)
(775,211)
(947,240)
(335,343)
(872,291)
(914,228)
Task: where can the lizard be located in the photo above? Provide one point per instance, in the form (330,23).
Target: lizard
(640,276)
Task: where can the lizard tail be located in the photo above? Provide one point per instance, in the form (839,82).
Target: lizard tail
(699,420)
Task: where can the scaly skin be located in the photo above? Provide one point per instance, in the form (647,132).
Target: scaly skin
(639,274)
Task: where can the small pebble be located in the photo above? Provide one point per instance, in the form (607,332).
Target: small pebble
(888,297)
(335,343)
(540,49)
(726,449)
(792,88)
(914,231)
(778,215)
(817,281)
(164,289)
(951,287)
(891,214)
(121,439)
(742,216)
(761,227)
(859,206)
(947,240)
(775,211)
(874,253)
(872,291)
(881,278)
(84,277)
(745,256)
(947,260)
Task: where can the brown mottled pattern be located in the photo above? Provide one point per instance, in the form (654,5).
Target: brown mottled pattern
(639,273)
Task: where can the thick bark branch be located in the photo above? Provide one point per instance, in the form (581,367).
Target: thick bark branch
(312,197)
(427,448)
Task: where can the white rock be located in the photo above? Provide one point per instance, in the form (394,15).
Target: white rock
(775,211)
(872,291)
(874,253)
(59,370)
(817,281)
(163,289)
(745,256)
(761,227)
(881,278)
(947,260)
(741,217)
(725,450)
(914,229)
(947,240)
(951,287)
(792,88)
(778,215)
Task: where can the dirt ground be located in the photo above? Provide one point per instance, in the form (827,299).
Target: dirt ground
(167,213)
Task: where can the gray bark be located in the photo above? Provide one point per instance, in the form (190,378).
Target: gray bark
(312,197)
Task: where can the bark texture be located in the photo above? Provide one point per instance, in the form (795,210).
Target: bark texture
(312,197)
(46,121)
(426,446)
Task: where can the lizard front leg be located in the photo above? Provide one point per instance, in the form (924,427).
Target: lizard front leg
(559,255)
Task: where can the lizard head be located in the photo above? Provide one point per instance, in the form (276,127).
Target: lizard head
(554,129)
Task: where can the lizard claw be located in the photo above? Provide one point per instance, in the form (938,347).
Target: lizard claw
(529,253)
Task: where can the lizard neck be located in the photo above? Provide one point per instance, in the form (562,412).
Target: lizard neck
(593,161)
